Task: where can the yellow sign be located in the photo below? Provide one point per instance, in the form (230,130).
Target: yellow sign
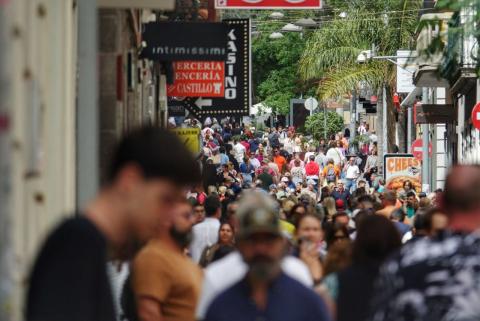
(190,137)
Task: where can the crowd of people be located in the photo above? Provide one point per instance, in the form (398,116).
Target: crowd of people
(263,226)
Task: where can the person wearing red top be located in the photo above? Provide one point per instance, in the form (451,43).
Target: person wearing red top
(312,169)
(246,145)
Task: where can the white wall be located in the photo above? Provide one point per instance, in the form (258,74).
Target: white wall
(439,159)
(43,64)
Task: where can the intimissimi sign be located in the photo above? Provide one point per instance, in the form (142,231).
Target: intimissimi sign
(178,41)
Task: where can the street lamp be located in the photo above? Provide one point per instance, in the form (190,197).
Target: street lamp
(275,35)
(306,23)
(277,15)
(290,27)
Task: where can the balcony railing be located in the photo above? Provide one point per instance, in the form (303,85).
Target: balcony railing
(461,51)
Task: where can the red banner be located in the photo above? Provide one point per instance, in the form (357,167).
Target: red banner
(268,4)
(198,79)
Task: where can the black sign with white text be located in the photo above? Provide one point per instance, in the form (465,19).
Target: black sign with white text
(237,99)
(177,41)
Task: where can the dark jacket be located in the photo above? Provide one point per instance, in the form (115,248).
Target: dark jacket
(344,196)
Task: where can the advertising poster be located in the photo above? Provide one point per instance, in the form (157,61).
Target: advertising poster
(190,137)
(399,168)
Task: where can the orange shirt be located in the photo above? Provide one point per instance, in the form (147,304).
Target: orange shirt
(281,162)
(335,168)
(169,277)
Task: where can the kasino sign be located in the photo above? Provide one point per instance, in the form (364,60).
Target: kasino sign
(268,4)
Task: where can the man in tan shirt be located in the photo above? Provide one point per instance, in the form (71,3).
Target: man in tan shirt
(165,281)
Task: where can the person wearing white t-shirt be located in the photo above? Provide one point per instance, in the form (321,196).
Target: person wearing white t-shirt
(311,151)
(362,129)
(254,162)
(239,151)
(352,172)
(206,233)
(336,154)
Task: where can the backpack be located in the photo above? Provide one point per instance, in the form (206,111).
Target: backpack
(331,176)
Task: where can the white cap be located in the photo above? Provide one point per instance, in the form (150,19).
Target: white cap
(285,179)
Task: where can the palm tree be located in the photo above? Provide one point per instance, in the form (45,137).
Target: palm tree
(331,53)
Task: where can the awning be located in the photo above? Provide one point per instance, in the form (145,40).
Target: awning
(410,99)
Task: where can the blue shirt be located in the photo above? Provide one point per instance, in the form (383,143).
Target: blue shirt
(288,300)
(224,159)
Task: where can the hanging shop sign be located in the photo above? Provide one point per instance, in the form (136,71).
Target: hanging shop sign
(236,100)
(433,114)
(178,41)
(406,66)
(398,168)
(268,4)
(198,79)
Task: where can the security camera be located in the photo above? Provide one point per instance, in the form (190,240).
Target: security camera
(364,56)
(361,59)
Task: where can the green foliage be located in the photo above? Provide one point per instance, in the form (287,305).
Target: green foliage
(360,139)
(330,55)
(275,64)
(315,124)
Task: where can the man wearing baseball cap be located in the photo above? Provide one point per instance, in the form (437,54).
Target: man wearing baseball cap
(265,293)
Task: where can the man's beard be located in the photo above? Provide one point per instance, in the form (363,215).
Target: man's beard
(263,268)
(182,238)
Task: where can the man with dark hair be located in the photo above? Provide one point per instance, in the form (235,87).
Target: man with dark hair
(366,202)
(166,283)
(421,227)
(198,210)
(437,278)
(273,138)
(265,178)
(69,278)
(341,218)
(389,200)
(206,233)
(412,204)
(398,218)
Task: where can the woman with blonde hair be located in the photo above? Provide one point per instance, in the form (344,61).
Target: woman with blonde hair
(330,208)
(212,190)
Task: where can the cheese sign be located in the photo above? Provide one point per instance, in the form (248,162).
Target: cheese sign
(399,168)
(198,79)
